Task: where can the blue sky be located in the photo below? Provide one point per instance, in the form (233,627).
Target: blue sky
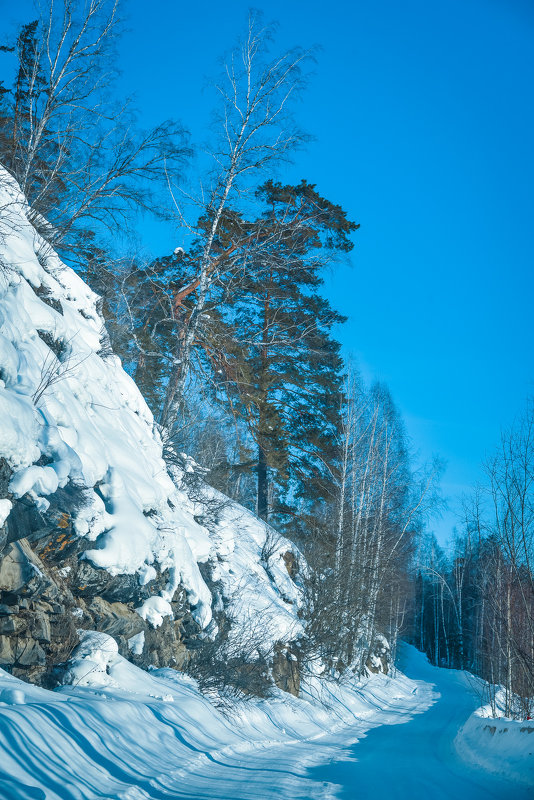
(423,119)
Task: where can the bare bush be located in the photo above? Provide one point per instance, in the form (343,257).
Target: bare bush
(234,666)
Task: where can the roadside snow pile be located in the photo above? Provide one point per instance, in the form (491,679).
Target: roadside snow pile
(71,415)
(120,732)
(498,744)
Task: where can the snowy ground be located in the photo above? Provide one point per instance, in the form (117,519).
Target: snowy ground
(123,733)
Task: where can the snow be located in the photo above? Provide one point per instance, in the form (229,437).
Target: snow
(117,732)
(255,593)
(5,508)
(137,643)
(154,610)
(427,756)
(90,665)
(34,481)
(502,745)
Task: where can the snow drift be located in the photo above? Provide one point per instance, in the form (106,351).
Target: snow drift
(501,745)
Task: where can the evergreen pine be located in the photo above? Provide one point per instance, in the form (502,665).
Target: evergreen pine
(279,363)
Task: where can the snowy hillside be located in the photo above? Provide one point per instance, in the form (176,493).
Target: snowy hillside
(84,481)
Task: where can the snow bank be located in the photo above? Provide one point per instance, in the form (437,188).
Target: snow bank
(118,732)
(498,744)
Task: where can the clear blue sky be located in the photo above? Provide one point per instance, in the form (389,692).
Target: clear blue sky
(423,119)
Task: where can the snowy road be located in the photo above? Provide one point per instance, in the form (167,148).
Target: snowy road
(419,759)
(159,739)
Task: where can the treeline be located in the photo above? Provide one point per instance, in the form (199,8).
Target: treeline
(474,609)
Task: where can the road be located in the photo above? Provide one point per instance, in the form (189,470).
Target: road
(418,759)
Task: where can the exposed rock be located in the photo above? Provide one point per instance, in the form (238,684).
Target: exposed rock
(285,669)
(5,475)
(116,619)
(7,656)
(292,564)
(28,652)
(88,581)
(47,597)
(12,625)
(40,627)
(126,589)
(16,568)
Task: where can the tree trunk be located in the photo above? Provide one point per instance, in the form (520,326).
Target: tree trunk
(262,503)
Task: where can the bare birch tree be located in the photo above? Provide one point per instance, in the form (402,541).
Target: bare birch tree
(77,155)
(509,523)
(254,131)
(476,608)
(362,592)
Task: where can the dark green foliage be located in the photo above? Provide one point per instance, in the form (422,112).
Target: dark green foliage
(263,350)
(274,357)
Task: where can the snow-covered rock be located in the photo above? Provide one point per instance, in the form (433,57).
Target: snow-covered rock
(82,473)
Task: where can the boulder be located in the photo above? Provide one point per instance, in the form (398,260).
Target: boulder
(115,619)
(22,572)
(16,569)
(40,627)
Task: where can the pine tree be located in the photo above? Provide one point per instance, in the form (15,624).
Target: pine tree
(277,362)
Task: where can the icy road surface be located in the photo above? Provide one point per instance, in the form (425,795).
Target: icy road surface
(420,759)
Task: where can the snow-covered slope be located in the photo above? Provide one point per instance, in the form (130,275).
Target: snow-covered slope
(72,417)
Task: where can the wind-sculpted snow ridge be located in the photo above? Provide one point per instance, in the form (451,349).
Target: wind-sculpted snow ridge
(71,415)
(119,732)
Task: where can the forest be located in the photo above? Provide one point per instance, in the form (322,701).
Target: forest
(235,345)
